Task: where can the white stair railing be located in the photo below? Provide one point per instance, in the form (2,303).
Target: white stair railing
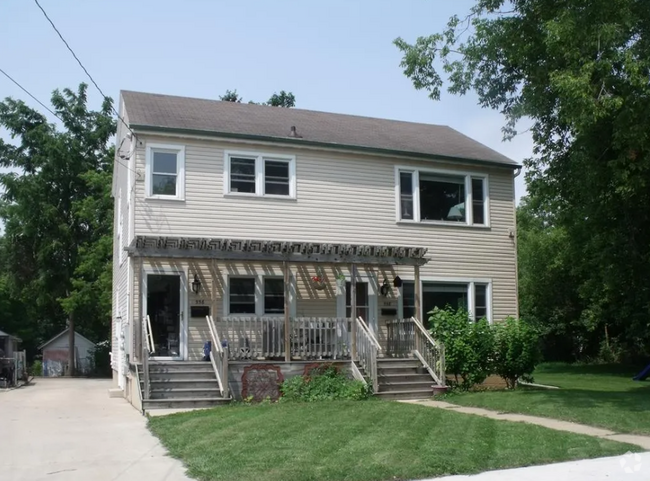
(218,358)
(367,351)
(430,352)
(148,348)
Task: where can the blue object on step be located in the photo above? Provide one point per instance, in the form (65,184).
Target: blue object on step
(643,375)
(207,347)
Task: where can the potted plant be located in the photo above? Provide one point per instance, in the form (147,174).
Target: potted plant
(340,284)
(318,281)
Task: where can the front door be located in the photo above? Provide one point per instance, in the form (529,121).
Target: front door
(366,302)
(165,310)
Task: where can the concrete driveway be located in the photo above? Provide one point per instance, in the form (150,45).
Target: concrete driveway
(69,429)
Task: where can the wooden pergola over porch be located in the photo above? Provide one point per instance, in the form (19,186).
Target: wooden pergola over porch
(284,253)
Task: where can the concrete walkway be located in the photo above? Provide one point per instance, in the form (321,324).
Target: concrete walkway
(630,467)
(642,441)
(69,430)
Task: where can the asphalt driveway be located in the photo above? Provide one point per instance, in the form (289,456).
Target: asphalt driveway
(69,429)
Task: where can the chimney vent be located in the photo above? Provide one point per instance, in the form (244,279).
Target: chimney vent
(294,133)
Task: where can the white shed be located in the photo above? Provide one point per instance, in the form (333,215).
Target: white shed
(55,354)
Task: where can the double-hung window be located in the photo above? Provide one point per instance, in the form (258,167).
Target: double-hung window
(255,296)
(165,171)
(442,197)
(262,175)
(472,296)
(242,295)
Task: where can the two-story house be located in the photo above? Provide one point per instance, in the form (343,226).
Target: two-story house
(287,237)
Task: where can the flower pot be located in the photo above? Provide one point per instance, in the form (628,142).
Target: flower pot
(319,286)
(439,390)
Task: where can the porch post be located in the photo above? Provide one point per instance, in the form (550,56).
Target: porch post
(353,309)
(287,320)
(418,293)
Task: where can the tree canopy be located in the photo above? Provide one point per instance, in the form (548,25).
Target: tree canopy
(55,266)
(283,99)
(577,74)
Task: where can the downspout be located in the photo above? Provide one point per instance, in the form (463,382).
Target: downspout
(514,239)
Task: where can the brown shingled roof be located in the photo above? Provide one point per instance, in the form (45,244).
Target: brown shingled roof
(338,130)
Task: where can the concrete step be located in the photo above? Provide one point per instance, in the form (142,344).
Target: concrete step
(404,377)
(388,363)
(185,383)
(181,374)
(180,366)
(387,371)
(173,394)
(407,394)
(405,386)
(183,403)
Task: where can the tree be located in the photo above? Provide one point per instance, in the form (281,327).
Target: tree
(57,213)
(283,99)
(577,72)
(230,96)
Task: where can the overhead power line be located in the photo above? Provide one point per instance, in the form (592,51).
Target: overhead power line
(54,113)
(30,94)
(82,66)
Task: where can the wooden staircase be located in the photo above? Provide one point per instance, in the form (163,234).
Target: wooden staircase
(403,378)
(181,384)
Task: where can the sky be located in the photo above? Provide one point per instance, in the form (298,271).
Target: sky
(335,56)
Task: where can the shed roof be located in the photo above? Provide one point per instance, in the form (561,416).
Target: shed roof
(148,111)
(61,334)
(4,334)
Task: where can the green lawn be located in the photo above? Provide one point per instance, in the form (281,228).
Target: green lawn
(603,396)
(362,441)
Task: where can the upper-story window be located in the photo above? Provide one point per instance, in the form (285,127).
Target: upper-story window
(257,174)
(165,171)
(442,197)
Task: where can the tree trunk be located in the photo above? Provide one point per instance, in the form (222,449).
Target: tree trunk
(71,346)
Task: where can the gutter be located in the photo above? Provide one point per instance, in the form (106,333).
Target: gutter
(326,145)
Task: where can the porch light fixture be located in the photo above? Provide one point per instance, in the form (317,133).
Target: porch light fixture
(397,282)
(196,284)
(385,288)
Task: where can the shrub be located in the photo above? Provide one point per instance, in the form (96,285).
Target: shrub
(36,369)
(516,350)
(468,345)
(323,384)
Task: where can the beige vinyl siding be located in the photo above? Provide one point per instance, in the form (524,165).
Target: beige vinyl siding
(121,270)
(341,198)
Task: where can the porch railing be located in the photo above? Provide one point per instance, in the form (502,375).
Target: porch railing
(409,337)
(367,351)
(218,358)
(318,338)
(263,337)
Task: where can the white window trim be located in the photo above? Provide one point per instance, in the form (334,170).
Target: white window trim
(180,171)
(259,295)
(470,282)
(259,157)
(416,197)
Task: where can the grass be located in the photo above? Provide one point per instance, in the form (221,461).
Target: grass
(359,441)
(603,396)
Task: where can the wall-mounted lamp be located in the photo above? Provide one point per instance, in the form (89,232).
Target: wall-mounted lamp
(385,288)
(397,282)
(196,284)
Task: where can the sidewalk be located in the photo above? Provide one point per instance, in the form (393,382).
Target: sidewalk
(642,441)
(631,467)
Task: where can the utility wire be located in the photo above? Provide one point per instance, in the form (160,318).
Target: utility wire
(56,115)
(29,93)
(82,66)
